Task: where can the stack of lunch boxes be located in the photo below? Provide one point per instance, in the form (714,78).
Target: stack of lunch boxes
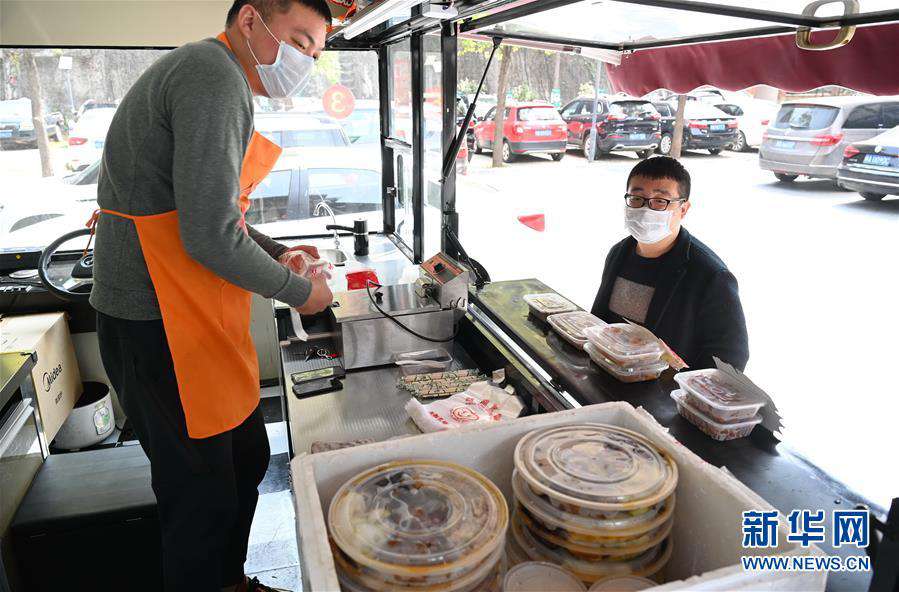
(595,499)
(717,404)
(419,526)
(630,353)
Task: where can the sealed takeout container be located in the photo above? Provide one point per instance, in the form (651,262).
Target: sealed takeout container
(644,564)
(423,362)
(622,584)
(418,517)
(637,373)
(539,576)
(717,396)
(586,525)
(595,466)
(710,501)
(710,427)
(571,325)
(625,344)
(543,305)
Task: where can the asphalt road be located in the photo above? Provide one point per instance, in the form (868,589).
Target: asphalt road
(816,267)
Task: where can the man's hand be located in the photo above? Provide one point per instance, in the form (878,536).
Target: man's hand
(308,249)
(319,299)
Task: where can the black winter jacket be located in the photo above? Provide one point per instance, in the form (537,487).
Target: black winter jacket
(696,306)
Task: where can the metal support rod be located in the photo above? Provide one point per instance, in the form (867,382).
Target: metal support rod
(417,50)
(450,159)
(449,76)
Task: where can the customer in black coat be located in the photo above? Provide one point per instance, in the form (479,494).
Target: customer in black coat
(663,278)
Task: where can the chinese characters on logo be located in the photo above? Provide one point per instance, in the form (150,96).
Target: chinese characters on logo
(847,527)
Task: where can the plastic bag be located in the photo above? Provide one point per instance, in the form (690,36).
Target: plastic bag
(304,264)
(481,403)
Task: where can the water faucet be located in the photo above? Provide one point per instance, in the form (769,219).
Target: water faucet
(323,205)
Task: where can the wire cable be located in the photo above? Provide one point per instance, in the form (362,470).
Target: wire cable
(371,297)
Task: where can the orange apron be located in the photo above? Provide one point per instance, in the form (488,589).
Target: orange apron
(206,319)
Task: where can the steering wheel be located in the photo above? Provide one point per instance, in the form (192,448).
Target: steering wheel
(77,287)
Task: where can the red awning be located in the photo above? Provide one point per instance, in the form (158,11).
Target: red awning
(867,64)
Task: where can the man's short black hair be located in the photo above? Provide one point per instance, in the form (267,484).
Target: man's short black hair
(663,167)
(267,7)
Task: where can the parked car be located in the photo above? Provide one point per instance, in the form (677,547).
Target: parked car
(292,131)
(528,128)
(622,124)
(809,137)
(705,127)
(872,167)
(291,191)
(91,104)
(17,124)
(485,104)
(668,115)
(88,137)
(753,118)
(362,126)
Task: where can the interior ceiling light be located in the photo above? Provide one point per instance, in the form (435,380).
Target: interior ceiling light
(375,14)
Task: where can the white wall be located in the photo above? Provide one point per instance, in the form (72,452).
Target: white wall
(127,23)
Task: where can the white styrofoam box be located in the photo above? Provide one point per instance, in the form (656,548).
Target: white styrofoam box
(707,534)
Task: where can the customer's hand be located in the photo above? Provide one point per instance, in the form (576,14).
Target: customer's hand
(319,299)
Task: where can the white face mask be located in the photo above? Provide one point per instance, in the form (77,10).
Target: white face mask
(647,226)
(284,77)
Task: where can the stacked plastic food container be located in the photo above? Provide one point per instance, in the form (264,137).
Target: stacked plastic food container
(630,353)
(717,404)
(595,499)
(543,305)
(572,326)
(419,526)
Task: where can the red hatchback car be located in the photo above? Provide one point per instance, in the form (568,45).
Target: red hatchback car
(528,128)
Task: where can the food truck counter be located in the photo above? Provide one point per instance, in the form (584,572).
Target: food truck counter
(760,461)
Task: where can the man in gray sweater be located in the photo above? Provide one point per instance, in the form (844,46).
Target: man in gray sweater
(175,266)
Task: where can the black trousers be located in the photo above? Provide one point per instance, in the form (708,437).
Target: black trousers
(206,489)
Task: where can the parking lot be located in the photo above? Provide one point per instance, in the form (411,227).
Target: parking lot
(816,267)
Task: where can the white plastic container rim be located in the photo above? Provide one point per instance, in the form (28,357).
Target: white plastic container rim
(683,379)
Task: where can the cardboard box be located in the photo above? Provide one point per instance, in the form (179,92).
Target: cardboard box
(707,534)
(57,379)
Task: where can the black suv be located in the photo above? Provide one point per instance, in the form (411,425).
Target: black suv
(705,127)
(622,124)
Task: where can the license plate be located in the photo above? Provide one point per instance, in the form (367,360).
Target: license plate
(5,133)
(98,144)
(784,144)
(638,136)
(717,127)
(877,160)
(544,133)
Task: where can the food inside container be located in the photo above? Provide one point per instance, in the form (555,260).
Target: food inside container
(598,546)
(543,305)
(583,525)
(623,584)
(713,429)
(645,564)
(464,580)
(711,392)
(418,362)
(595,466)
(625,344)
(418,517)
(539,576)
(640,373)
(571,325)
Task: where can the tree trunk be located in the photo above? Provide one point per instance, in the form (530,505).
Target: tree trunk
(676,141)
(37,111)
(554,87)
(501,105)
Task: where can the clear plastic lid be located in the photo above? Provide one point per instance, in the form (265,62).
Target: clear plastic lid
(549,303)
(719,431)
(645,564)
(404,516)
(598,547)
(718,391)
(539,576)
(469,580)
(622,584)
(571,325)
(637,373)
(584,524)
(625,343)
(596,466)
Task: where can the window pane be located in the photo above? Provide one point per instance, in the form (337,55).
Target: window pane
(631,109)
(403,217)
(400,58)
(432,131)
(270,201)
(863,117)
(539,114)
(809,117)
